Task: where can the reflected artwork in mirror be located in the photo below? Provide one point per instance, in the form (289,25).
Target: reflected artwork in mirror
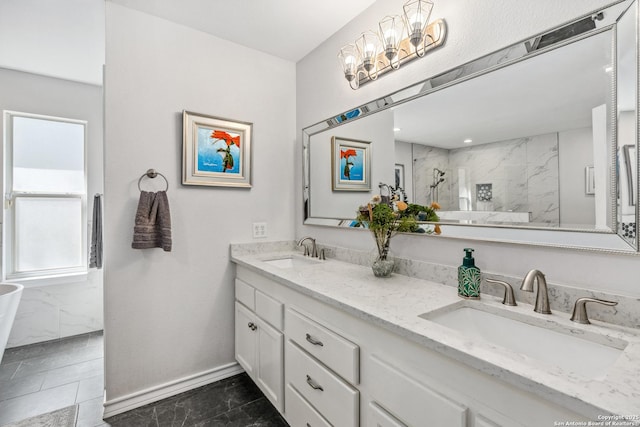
(535,143)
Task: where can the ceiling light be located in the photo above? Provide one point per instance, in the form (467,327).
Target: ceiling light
(399,39)
(396,129)
(468,141)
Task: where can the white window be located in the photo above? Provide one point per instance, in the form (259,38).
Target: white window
(45,189)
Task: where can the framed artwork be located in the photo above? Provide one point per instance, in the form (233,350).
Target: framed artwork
(350,164)
(215,151)
(399,176)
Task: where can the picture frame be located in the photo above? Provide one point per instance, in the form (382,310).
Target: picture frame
(350,164)
(399,176)
(215,151)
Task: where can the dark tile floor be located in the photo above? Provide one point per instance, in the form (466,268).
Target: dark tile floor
(43,377)
(47,376)
(235,401)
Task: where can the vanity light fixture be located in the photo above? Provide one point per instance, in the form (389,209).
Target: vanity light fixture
(399,39)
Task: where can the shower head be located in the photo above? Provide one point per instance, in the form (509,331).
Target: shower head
(440,172)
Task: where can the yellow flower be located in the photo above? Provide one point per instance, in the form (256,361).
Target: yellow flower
(435,205)
(401,205)
(376,198)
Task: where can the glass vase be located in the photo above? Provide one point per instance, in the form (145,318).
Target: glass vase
(382,267)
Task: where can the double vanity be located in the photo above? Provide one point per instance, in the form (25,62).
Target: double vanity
(331,345)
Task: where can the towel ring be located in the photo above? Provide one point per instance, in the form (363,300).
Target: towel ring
(152,173)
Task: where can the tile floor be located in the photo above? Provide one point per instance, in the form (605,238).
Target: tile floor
(47,376)
(43,377)
(234,401)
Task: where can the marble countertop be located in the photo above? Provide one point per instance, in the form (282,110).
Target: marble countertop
(396,303)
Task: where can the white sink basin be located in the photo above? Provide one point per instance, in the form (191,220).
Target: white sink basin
(589,358)
(291,262)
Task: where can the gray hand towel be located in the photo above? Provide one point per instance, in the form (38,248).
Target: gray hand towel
(95,257)
(152,227)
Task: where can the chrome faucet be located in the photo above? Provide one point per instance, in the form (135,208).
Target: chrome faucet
(314,249)
(542,296)
(509,298)
(580,309)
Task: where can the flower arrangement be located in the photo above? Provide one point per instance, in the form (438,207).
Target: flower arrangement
(385,219)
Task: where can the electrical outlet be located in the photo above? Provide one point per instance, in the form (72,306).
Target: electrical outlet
(259,230)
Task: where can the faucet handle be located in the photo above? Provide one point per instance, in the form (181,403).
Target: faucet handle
(509,297)
(579,314)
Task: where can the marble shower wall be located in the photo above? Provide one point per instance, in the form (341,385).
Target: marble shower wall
(523,174)
(425,159)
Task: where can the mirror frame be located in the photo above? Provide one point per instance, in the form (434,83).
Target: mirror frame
(605,19)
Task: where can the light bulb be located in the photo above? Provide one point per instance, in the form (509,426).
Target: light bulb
(390,38)
(369,50)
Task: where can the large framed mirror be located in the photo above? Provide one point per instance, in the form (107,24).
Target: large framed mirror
(535,143)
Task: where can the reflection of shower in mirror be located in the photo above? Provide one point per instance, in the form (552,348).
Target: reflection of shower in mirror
(437,180)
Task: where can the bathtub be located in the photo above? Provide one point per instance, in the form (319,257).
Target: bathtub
(10,294)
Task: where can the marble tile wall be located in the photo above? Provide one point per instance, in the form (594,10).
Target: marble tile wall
(500,164)
(57,311)
(424,160)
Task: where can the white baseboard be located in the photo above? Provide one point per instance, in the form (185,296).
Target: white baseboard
(153,394)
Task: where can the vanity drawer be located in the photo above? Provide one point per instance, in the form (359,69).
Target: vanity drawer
(299,412)
(338,353)
(245,294)
(335,399)
(418,401)
(378,417)
(270,310)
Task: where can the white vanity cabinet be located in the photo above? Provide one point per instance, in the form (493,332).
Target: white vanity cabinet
(323,368)
(259,340)
(340,369)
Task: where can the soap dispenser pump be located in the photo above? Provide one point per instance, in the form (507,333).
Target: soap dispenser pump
(468,277)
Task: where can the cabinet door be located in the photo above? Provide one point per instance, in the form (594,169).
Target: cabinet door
(270,363)
(245,339)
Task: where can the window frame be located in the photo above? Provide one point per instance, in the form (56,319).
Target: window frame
(9,224)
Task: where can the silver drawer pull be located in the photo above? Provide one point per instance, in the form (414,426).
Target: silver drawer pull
(313,384)
(314,341)
(252,326)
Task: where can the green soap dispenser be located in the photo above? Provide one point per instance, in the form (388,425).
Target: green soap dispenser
(468,277)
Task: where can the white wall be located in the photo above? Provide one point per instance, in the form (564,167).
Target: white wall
(62,38)
(475,29)
(169,315)
(575,152)
(65,309)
